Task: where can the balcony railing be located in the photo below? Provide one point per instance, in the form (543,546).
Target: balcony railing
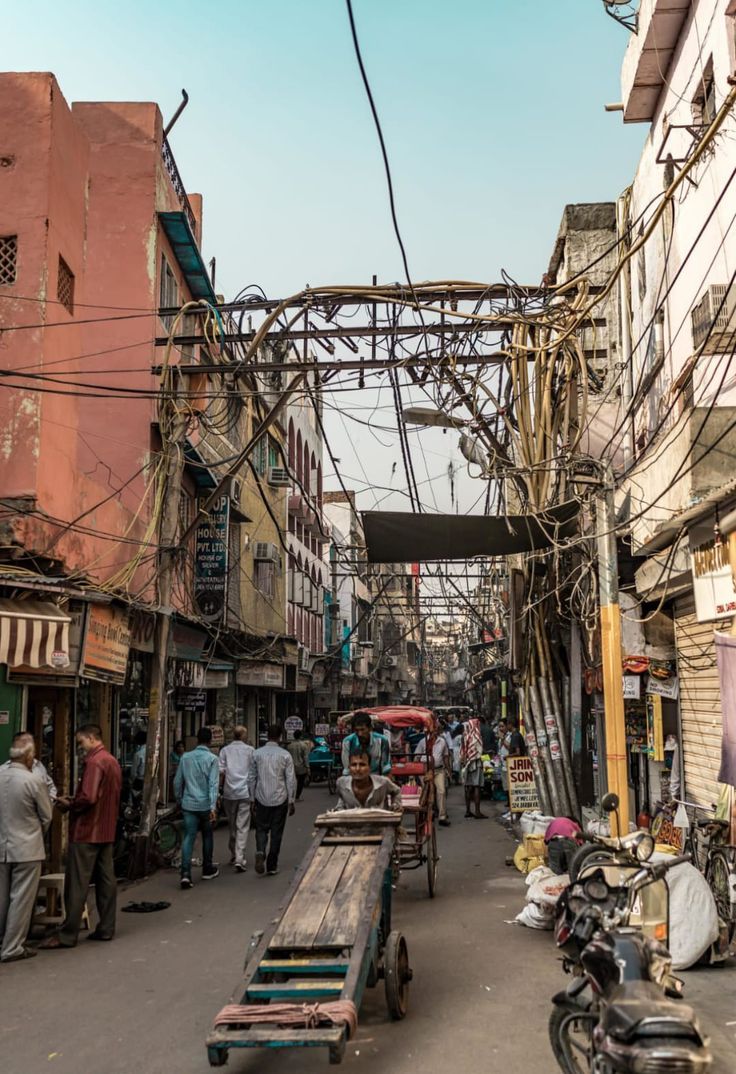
(178,185)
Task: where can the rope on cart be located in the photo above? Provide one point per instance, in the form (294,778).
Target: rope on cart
(308,1015)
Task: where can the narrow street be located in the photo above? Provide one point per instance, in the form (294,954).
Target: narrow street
(479,999)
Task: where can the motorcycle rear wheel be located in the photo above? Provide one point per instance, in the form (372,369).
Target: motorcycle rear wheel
(569,1034)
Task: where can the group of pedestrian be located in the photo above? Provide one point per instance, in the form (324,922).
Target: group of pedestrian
(258,787)
(28,797)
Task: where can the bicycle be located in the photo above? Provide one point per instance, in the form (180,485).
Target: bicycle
(706,840)
(163,846)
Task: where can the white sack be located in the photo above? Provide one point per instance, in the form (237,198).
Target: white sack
(534,823)
(546,892)
(542,872)
(693,914)
(535,917)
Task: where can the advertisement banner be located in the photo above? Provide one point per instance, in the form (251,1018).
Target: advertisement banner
(260,674)
(106,644)
(210,560)
(523,794)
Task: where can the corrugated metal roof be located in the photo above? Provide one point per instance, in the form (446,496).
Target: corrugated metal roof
(184,245)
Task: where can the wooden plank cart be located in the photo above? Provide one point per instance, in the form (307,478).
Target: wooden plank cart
(305,976)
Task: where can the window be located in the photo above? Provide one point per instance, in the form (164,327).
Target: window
(274,453)
(8,259)
(168,292)
(265,578)
(65,286)
(260,456)
(704,101)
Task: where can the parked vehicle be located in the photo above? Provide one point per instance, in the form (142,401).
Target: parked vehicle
(706,839)
(600,849)
(618,1015)
(323,766)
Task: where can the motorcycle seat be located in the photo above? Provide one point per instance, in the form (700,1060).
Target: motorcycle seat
(711,822)
(635,1005)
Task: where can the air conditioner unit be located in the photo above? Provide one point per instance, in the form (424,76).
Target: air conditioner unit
(278,477)
(266,550)
(713,320)
(390,661)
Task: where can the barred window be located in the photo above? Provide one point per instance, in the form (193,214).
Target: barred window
(8,259)
(65,286)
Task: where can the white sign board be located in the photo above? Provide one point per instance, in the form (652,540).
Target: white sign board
(632,687)
(664,687)
(713,588)
(523,794)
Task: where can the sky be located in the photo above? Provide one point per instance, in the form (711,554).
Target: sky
(493,116)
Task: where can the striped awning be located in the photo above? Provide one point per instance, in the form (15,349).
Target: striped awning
(34,634)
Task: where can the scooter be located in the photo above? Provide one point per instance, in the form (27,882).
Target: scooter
(619,1015)
(600,849)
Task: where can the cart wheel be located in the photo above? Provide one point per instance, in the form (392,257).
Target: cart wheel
(432,860)
(397,974)
(332,781)
(217,1056)
(337,1052)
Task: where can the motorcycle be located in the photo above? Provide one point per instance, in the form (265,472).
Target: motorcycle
(619,1015)
(601,849)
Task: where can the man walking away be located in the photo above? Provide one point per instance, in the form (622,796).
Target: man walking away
(300,749)
(93,813)
(25,814)
(236,762)
(275,790)
(195,787)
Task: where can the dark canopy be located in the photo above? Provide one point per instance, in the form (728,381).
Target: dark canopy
(403,537)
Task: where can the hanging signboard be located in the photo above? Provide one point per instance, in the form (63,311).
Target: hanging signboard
(663,687)
(260,674)
(210,560)
(523,794)
(106,644)
(713,588)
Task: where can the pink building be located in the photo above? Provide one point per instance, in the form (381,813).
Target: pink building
(96,232)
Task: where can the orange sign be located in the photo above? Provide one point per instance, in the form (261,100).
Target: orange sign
(106,643)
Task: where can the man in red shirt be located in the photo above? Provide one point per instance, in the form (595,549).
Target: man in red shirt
(93,817)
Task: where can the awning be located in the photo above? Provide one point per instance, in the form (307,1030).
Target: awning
(34,634)
(402,537)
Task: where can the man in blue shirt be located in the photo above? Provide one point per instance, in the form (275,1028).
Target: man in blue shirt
(364,738)
(195,786)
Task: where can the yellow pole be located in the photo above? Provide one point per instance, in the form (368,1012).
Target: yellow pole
(613,690)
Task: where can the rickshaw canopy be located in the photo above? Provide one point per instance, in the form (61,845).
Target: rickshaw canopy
(398,717)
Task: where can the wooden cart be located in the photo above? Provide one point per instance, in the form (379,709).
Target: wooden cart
(331,937)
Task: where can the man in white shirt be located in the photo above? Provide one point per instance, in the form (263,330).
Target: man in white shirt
(442,768)
(236,777)
(274,794)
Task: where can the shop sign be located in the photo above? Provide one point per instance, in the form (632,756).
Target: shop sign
(142,630)
(189,673)
(216,680)
(260,674)
(713,587)
(186,643)
(523,794)
(106,644)
(210,559)
(318,675)
(191,699)
(292,724)
(632,687)
(322,729)
(218,736)
(302,683)
(663,687)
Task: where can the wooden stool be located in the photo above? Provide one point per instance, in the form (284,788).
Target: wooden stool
(54,912)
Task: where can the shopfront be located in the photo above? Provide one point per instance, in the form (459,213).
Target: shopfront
(259,683)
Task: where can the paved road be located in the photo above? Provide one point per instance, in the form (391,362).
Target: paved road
(143,1004)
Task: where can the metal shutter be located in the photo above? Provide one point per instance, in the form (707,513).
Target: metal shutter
(700,707)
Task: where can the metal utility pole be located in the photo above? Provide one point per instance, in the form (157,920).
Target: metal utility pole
(610,612)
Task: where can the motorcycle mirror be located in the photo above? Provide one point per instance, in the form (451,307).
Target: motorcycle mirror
(609,803)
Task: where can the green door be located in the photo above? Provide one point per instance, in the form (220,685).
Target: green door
(11,712)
